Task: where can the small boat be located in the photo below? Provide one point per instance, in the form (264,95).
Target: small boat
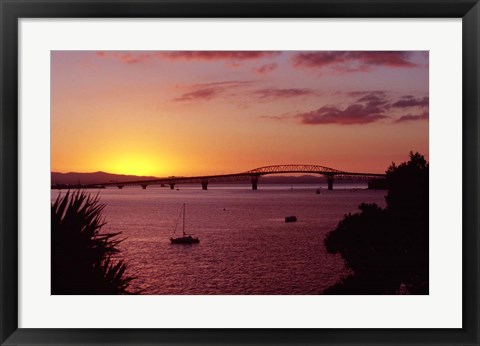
(290,219)
(185,238)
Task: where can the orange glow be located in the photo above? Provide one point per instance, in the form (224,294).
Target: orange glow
(134,165)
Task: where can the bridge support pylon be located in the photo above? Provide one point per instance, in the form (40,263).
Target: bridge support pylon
(254,182)
(172,186)
(330,182)
(204,184)
(120,186)
(144,186)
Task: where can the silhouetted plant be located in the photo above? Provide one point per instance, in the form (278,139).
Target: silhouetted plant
(408,186)
(387,249)
(83,258)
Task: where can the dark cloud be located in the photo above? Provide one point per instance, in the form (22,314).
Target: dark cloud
(276,117)
(208,91)
(223,84)
(368,109)
(353,114)
(138,57)
(410,101)
(275,93)
(266,68)
(353,61)
(410,117)
(218,55)
(200,94)
(362,93)
(374,100)
(127,58)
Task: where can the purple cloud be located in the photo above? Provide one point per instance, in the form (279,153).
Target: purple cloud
(368,109)
(200,94)
(276,93)
(410,117)
(139,57)
(208,91)
(353,114)
(410,101)
(267,68)
(359,61)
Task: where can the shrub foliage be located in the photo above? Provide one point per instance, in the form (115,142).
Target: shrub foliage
(387,249)
(84,260)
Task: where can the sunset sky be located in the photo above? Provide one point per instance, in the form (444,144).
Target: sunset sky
(213,112)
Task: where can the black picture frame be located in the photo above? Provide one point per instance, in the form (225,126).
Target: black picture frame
(13,10)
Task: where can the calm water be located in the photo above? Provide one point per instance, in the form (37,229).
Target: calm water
(245,245)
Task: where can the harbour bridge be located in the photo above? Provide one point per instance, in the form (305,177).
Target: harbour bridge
(253,176)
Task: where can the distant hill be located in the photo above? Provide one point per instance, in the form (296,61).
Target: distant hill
(93,178)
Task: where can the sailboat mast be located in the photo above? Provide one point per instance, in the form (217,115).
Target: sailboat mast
(184,219)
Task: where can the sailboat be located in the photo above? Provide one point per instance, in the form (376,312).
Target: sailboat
(185,238)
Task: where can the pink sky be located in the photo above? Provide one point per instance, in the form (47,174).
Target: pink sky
(206,112)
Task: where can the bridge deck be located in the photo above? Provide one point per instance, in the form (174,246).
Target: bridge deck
(244,176)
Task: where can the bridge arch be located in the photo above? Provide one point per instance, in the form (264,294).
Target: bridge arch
(294,168)
(328,172)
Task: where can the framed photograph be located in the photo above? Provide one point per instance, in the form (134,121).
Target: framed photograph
(261,172)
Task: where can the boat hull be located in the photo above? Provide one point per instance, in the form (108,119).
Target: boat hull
(185,240)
